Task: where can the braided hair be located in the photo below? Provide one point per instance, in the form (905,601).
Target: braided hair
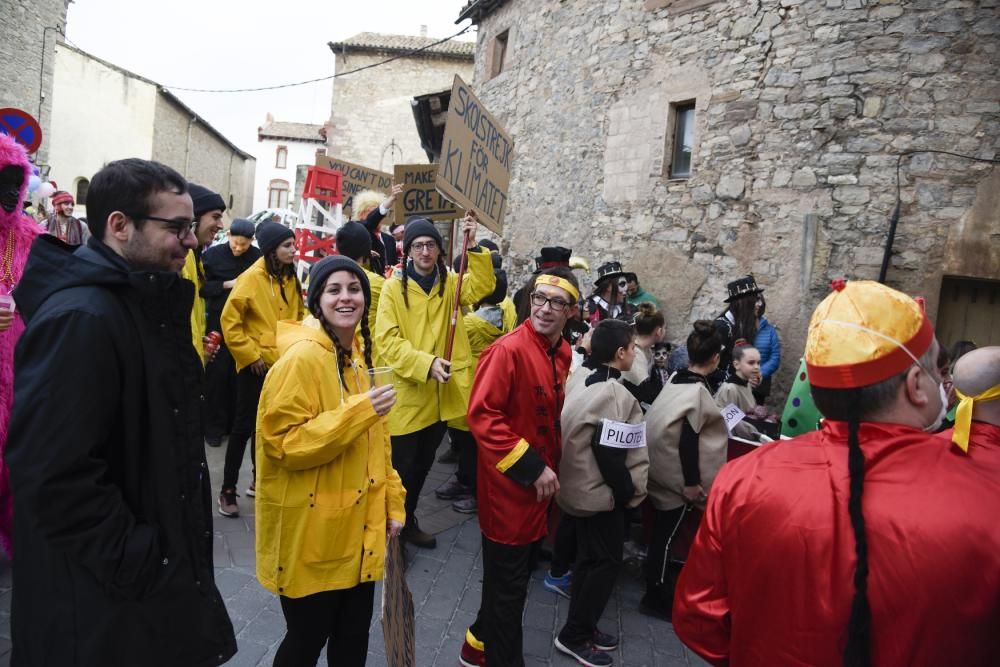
(442,270)
(855,406)
(344,355)
(280,272)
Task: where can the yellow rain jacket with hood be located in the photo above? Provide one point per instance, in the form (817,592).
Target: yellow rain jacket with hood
(252,311)
(325,481)
(409,338)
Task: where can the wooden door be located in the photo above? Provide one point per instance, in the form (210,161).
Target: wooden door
(969,310)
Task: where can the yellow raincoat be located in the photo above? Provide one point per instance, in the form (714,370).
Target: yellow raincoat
(509,314)
(408,340)
(190,272)
(250,316)
(376,282)
(325,481)
(481,334)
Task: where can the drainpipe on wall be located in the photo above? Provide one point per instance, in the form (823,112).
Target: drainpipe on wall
(187,146)
(229,186)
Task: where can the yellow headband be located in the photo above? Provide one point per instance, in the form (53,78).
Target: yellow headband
(562,283)
(963,415)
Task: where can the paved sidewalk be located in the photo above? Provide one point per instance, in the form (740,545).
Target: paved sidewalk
(446,583)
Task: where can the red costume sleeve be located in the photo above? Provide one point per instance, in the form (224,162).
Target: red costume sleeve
(701,614)
(490,418)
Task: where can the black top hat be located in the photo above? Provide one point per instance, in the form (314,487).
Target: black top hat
(743,287)
(607,271)
(552,256)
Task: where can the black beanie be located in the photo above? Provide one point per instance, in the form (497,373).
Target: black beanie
(272,234)
(500,291)
(241,227)
(320,272)
(354,241)
(205,200)
(417,227)
(489,245)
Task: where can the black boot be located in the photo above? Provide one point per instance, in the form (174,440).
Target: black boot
(411,533)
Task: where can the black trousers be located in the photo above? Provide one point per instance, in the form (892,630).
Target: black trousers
(563,546)
(660,580)
(412,457)
(339,619)
(466,446)
(599,542)
(248,388)
(506,572)
(220,394)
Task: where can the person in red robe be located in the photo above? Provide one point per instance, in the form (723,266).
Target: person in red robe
(517,398)
(977,418)
(867,542)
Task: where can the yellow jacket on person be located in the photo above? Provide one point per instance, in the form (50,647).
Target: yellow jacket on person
(509,314)
(190,272)
(325,481)
(409,338)
(376,282)
(480,334)
(250,317)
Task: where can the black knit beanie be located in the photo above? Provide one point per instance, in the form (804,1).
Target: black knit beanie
(241,227)
(417,227)
(205,200)
(272,234)
(322,270)
(354,241)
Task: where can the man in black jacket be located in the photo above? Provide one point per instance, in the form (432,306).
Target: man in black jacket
(113,524)
(223,264)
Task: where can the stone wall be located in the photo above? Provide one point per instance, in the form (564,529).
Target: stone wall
(802,109)
(23,39)
(187,145)
(372,121)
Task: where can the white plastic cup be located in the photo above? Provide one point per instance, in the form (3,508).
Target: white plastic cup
(7,302)
(380,376)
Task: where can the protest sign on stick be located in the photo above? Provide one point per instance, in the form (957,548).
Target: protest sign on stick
(420,197)
(356,179)
(398,624)
(474,171)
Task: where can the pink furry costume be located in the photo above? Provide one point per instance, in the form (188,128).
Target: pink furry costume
(17,231)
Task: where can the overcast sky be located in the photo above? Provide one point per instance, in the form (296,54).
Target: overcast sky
(245,43)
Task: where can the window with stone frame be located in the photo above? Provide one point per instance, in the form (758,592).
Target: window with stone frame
(82,186)
(281,157)
(680,146)
(277,194)
(498,54)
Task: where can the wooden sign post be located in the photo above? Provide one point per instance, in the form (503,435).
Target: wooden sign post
(474,171)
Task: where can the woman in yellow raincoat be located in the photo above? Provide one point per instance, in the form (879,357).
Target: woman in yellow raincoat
(414,313)
(328,494)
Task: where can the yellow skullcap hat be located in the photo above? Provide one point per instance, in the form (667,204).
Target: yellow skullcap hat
(864,333)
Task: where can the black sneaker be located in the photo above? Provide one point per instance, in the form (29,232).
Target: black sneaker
(467,506)
(411,533)
(453,490)
(604,642)
(227,503)
(585,654)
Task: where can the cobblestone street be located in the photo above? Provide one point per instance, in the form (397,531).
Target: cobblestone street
(445,582)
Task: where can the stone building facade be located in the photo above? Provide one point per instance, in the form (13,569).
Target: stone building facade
(801,111)
(136,117)
(372,124)
(29,30)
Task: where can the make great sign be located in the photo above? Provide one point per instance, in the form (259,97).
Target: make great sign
(356,179)
(474,171)
(420,197)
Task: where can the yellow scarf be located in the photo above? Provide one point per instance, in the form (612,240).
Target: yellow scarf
(963,415)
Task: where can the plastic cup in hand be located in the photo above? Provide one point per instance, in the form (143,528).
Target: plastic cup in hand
(7,302)
(380,376)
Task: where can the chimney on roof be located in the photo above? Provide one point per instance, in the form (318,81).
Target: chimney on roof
(423,30)
(269,118)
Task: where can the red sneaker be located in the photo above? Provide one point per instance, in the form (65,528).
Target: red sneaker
(472,651)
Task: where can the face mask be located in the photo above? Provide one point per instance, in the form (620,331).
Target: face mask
(936,424)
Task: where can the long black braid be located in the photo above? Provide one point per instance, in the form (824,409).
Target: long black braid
(280,272)
(859,627)
(442,270)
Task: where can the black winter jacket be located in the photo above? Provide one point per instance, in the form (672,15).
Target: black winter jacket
(112,522)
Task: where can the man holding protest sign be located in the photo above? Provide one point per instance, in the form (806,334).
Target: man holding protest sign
(415,312)
(514,413)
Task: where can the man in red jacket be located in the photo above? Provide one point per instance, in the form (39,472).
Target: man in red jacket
(977,420)
(514,410)
(791,567)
